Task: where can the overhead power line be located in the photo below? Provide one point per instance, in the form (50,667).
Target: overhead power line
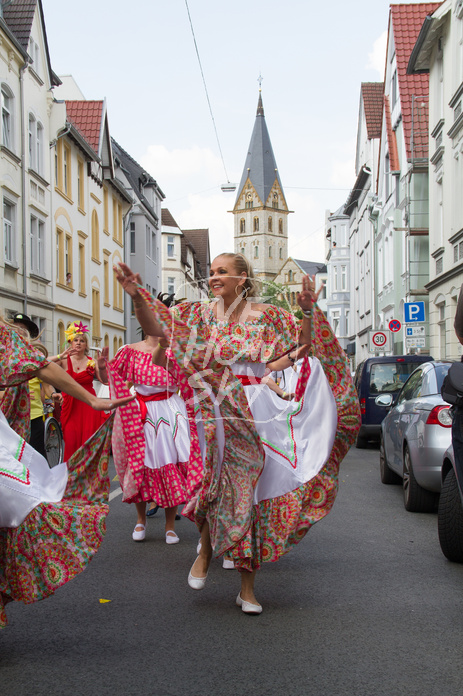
(205,88)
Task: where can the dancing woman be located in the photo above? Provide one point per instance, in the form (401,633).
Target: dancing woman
(155,444)
(78,421)
(268,475)
(51,520)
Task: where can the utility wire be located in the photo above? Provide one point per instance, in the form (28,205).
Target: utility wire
(205,88)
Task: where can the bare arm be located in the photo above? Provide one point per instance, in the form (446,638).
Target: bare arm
(130,282)
(56,376)
(289,359)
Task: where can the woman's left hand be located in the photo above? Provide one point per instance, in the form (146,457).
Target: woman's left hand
(304,299)
(109,404)
(102,358)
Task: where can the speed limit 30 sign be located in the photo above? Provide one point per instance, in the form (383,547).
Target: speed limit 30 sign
(379,340)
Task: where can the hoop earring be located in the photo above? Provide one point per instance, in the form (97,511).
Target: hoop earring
(244,293)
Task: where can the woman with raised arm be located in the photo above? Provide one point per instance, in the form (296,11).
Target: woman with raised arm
(52,521)
(271,466)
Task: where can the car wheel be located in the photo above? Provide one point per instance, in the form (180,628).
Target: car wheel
(416,498)
(362,442)
(387,475)
(450,519)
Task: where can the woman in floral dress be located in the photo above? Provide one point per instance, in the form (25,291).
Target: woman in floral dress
(269,473)
(52,521)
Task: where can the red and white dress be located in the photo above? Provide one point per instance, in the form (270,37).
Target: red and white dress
(155,443)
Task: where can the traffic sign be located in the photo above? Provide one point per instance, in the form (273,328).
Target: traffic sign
(395,325)
(416,330)
(379,340)
(413,311)
(415,342)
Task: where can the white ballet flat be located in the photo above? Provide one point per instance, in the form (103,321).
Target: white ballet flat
(196,583)
(248,607)
(228,564)
(171,537)
(139,535)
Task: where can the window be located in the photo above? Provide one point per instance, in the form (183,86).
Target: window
(7,118)
(35,144)
(170,285)
(63,258)
(105,210)
(132,238)
(281,253)
(335,278)
(439,265)
(106,281)
(394,91)
(96,313)
(34,53)
(242,250)
(290,276)
(256,224)
(270,252)
(118,302)
(280,226)
(170,247)
(80,185)
(67,169)
(270,224)
(82,268)
(256,252)
(347,323)
(9,213)
(387,177)
(37,245)
(95,237)
(68,258)
(115,345)
(242,226)
(117,221)
(335,321)
(275,200)
(153,246)
(60,337)
(344,278)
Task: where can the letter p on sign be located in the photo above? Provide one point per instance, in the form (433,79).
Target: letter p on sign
(414,312)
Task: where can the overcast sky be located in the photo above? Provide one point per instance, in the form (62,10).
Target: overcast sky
(313,56)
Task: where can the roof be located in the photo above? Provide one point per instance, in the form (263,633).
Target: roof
(311,267)
(167,218)
(406,23)
(430,32)
(200,242)
(86,116)
(372,95)
(260,165)
(352,200)
(137,177)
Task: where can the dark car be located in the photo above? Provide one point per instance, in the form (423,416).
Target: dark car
(380,375)
(450,513)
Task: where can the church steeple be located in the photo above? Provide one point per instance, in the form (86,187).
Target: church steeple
(261,211)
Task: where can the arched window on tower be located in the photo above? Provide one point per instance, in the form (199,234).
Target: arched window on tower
(290,276)
(280,225)
(256,224)
(270,224)
(270,252)
(242,226)
(256,252)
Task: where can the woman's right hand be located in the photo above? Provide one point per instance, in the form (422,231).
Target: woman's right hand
(128,279)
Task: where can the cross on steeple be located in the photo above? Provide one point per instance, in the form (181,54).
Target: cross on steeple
(259,80)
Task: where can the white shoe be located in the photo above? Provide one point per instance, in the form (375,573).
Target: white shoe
(248,607)
(198,548)
(171,537)
(139,534)
(196,583)
(228,564)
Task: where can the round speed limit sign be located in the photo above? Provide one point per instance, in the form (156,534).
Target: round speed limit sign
(379,339)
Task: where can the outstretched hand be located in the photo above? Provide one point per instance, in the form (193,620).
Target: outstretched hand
(128,279)
(304,299)
(110,404)
(102,358)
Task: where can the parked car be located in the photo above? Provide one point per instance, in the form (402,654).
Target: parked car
(414,436)
(450,512)
(380,375)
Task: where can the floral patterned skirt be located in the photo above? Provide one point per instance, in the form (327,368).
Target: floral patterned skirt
(56,541)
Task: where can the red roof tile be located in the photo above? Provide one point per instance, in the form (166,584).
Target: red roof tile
(406,24)
(391,138)
(372,95)
(86,117)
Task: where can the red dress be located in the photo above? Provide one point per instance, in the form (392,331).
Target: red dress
(78,420)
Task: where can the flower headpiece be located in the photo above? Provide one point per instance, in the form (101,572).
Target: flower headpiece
(75,328)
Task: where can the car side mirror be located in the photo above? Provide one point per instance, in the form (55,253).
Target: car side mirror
(384,400)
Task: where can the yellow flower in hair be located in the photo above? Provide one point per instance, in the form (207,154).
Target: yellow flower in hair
(73,329)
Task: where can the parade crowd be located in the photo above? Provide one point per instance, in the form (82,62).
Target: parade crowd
(231,408)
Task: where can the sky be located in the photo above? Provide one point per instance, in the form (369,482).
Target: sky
(312,57)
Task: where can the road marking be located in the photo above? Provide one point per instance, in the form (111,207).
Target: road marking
(114,494)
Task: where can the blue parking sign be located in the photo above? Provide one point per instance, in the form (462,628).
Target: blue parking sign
(413,311)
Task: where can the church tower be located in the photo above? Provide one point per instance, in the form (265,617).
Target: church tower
(261,212)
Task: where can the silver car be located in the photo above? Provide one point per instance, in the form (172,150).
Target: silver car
(415,435)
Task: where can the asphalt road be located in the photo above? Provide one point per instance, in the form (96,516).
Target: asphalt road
(365,605)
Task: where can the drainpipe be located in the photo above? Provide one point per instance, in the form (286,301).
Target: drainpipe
(23,180)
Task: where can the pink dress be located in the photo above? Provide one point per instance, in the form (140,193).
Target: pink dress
(155,444)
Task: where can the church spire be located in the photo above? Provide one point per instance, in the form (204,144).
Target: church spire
(260,106)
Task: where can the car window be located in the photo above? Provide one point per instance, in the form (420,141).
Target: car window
(412,388)
(441,373)
(389,377)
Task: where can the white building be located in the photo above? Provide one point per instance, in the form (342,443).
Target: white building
(184,271)
(439,52)
(338,265)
